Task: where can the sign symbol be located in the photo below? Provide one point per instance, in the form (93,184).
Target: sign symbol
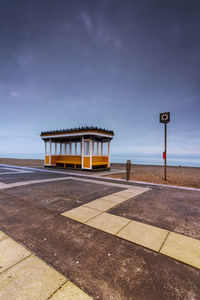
(165,117)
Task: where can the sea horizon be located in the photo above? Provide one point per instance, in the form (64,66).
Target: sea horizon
(143,159)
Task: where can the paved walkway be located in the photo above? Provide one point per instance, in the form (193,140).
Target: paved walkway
(105,236)
(25,276)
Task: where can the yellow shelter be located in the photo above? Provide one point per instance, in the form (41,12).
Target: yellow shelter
(84,148)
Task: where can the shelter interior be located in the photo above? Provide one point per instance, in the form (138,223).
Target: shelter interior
(85,148)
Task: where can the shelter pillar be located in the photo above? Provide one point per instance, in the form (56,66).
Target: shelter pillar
(70,147)
(92,147)
(45,147)
(91,153)
(50,150)
(82,151)
(75,148)
(109,153)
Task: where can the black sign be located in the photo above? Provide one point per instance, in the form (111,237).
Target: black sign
(165,117)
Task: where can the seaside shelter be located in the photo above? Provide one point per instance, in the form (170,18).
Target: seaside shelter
(84,148)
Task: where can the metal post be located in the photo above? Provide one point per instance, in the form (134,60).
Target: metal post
(128,170)
(165,118)
(165,169)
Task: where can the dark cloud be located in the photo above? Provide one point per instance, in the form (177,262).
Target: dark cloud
(108,63)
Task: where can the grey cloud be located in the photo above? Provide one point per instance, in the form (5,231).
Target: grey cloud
(107,63)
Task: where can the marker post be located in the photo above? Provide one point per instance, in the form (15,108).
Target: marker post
(165,170)
(165,118)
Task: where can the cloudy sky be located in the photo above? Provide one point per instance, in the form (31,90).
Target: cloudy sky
(107,63)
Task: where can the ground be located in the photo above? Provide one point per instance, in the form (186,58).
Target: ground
(125,245)
(176,175)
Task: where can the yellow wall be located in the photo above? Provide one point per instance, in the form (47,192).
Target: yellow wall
(86,162)
(76,159)
(46,160)
(73,159)
(98,159)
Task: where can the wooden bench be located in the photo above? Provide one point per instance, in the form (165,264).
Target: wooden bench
(99,163)
(67,162)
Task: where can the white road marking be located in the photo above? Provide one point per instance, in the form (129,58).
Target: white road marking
(14,171)
(4,186)
(106,178)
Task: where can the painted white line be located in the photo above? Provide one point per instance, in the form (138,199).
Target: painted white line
(106,183)
(108,178)
(23,183)
(20,172)
(167,186)
(14,171)
(4,186)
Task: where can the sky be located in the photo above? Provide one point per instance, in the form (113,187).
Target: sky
(106,63)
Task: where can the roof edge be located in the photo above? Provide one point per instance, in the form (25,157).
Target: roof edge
(79,129)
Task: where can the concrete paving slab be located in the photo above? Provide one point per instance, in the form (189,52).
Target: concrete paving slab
(171,209)
(116,198)
(145,235)
(100,205)
(182,248)
(108,223)
(81,214)
(133,191)
(30,279)
(69,291)
(3,236)
(11,253)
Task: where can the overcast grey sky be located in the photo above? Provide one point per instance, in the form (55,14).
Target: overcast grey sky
(107,63)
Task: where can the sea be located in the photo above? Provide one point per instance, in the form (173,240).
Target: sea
(136,158)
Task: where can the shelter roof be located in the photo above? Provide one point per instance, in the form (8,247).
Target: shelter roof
(80,130)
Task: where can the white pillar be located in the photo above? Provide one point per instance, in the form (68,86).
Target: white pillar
(50,151)
(70,147)
(76,148)
(97,148)
(91,153)
(65,148)
(60,148)
(101,148)
(92,147)
(109,153)
(55,148)
(45,147)
(82,150)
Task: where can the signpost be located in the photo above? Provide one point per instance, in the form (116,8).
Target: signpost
(165,118)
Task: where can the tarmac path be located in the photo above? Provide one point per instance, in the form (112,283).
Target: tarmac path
(37,210)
